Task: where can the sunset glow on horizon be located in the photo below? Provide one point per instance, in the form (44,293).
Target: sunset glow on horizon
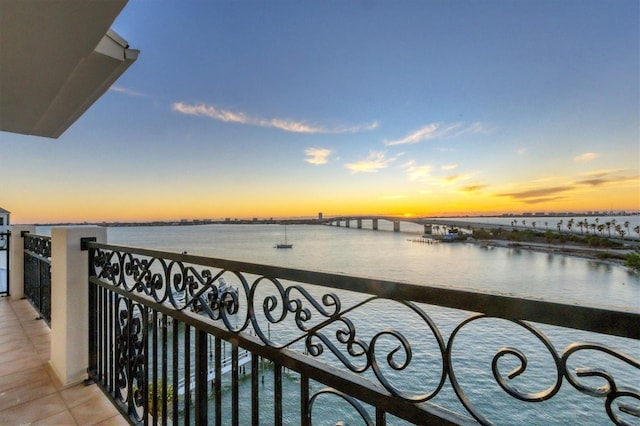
(288,109)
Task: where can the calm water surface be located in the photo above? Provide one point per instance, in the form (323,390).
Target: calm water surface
(391,256)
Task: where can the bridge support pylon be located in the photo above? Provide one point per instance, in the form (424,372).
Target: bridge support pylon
(347,223)
(374,224)
(396,226)
(359,221)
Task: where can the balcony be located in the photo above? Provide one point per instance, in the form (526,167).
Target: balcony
(30,393)
(181,339)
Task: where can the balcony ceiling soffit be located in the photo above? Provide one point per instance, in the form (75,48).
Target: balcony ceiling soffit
(57,57)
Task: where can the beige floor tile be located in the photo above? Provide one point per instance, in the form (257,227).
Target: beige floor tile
(95,410)
(25,311)
(41,346)
(9,321)
(17,379)
(41,339)
(29,390)
(32,411)
(27,362)
(19,345)
(12,333)
(61,419)
(25,393)
(44,355)
(116,420)
(16,354)
(36,328)
(79,394)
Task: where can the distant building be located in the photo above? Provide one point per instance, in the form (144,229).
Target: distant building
(4,220)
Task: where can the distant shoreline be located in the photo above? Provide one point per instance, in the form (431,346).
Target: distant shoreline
(566,249)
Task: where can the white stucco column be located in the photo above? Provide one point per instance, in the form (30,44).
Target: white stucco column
(16,261)
(69,301)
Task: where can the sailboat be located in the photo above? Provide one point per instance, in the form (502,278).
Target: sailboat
(284,245)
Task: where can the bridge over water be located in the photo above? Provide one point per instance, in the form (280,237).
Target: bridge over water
(427,223)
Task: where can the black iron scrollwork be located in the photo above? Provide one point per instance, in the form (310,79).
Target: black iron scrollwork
(130,356)
(38,245)
(327,327)
(4,240)
(357,406)
(609,391)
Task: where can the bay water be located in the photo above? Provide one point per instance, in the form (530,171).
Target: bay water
(393,256)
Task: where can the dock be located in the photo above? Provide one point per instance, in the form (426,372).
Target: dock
(244,357)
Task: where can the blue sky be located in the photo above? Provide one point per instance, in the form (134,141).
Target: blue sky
(243,109)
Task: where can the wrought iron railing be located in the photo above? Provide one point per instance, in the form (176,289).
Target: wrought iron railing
(5,287)
(340,348)
(37,273)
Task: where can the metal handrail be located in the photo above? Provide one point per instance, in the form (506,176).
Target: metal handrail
(622,323)
(149,279)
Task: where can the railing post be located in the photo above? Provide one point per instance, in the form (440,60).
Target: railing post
(69,301)
(5,252)
(201,367)
(16,262)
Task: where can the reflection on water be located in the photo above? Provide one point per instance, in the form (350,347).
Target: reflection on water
(389,256)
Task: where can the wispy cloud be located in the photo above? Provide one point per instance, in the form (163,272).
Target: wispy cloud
(438,131)
(449,167)
(416,172)
(543,193)
(452,178)
(125,91)
(317,155)
(374,162)
(215,113)
(587,156)
(537,193)
(605,177)
(473,187)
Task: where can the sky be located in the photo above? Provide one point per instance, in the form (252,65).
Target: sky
(288,108)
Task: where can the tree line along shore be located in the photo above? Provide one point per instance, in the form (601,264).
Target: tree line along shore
(590,246)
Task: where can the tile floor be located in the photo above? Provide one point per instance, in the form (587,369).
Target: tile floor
(29,393)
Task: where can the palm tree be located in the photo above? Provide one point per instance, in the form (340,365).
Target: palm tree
(534,226)
(608,226)
(546,225)
(524,222)
(570,224)
(586,225)
(618,228)
(559,225)
(626,225)
(581,225)
(601,229)
(636,229)
(593,227)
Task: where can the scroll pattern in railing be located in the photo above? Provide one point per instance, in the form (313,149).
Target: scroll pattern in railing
(5,288)
(37,273)
(373,352)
